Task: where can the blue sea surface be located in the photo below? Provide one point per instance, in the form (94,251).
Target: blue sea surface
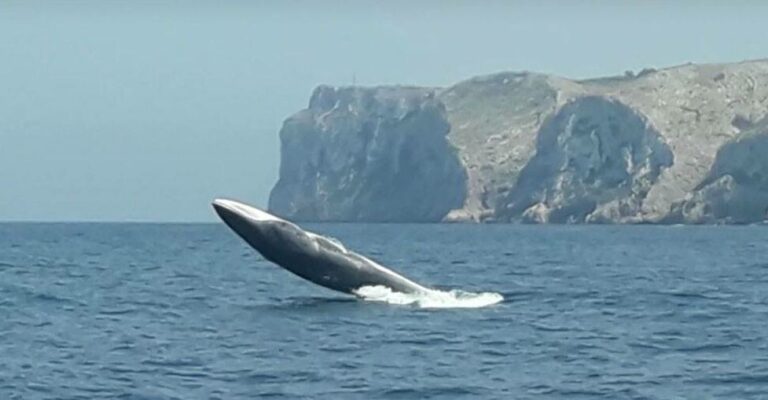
(159,311)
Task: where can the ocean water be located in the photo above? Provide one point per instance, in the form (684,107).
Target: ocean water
(134,311)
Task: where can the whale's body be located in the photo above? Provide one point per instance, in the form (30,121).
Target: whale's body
(318,259)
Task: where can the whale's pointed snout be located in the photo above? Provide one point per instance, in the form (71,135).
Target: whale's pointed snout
(225,210)
(233,217)
(230,208)
(249,222)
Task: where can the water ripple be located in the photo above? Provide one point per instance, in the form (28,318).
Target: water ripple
(187,311)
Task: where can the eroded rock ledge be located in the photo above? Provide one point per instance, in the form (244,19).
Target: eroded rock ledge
(686,144)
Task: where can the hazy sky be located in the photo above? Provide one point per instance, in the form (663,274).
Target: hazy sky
(145,111)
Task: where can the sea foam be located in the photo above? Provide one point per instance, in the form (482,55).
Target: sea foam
(431,299)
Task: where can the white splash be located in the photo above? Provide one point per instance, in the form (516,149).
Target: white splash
(430,299)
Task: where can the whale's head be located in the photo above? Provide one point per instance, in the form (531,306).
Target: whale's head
(273,237)
(228,209)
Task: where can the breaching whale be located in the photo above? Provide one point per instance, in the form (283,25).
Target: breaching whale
(316,258)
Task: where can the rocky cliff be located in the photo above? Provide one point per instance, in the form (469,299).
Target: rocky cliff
(736,188)
(368,154)
(687,144)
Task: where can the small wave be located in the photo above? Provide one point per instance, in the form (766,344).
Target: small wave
(430,299)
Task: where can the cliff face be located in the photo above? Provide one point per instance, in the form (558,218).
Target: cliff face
(596,160)
(494,120)
(736,188)
(378,154)
(683,145)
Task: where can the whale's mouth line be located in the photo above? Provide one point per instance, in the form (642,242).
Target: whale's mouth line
(246,211)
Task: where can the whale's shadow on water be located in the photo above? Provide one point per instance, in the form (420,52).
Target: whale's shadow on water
(301,305)
(337,305)
(314,302)
(331,304)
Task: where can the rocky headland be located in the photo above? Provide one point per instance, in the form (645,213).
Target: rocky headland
(686,144)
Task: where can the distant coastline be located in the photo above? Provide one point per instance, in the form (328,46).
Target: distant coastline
(679,145)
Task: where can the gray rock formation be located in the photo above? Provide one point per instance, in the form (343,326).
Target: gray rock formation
(596,160)
(680,144)
(736,188)
(378,154)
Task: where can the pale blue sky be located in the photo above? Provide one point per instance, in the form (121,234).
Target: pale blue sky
(145,111)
